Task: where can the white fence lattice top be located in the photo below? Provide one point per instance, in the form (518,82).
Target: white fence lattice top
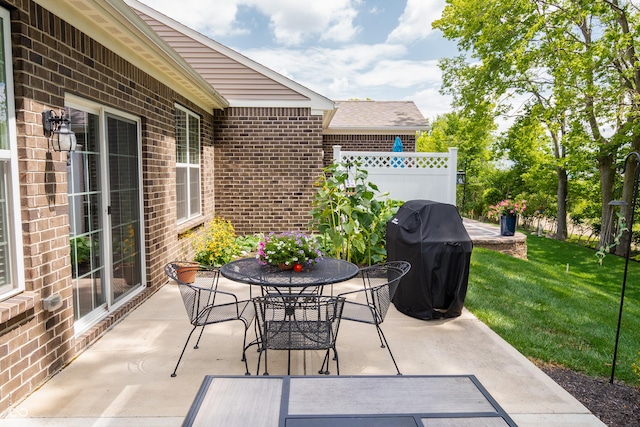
(397,160)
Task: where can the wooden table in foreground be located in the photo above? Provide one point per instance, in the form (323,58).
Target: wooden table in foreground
(347,401)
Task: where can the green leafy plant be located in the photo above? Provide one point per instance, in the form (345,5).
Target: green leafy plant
(80,250)
(288,249)
(349,216)
(216,244)
(247,245)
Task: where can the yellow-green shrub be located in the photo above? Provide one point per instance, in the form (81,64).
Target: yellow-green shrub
(216,244)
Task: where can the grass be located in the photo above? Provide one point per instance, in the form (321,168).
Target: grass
(568,317)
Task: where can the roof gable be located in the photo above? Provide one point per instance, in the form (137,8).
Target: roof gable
(242,81)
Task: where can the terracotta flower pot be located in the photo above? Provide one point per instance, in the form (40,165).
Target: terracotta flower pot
(186,272)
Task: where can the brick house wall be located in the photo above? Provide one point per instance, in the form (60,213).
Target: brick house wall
(265,175)
(52,58)
(364,143)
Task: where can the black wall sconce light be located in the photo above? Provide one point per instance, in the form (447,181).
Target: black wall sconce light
(57,129)
(461,177)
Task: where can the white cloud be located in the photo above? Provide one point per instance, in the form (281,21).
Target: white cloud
(415,22)
(431,103)
(401,73)
(194,14)
(291,21)
(360,71)
(295,21)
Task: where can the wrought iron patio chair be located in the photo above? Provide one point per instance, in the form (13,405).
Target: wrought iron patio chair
(206,304)
(371,304)
(298,322)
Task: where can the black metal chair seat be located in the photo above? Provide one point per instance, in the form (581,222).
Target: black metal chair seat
(206,304)
(298,322)
(371,304)
(298,335)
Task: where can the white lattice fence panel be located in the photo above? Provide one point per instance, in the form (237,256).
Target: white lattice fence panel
(408,176)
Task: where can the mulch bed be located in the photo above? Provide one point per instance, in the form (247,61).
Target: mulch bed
(616,405)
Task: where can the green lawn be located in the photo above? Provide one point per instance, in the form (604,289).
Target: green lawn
(547,313)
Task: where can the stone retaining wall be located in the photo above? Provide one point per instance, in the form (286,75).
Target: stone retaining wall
(515,246)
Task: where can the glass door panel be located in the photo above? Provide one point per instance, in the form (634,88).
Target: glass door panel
(85,220)
(124,194)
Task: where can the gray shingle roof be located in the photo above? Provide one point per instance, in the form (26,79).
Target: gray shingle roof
(377,115)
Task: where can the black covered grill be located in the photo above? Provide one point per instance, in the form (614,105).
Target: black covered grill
(430,236)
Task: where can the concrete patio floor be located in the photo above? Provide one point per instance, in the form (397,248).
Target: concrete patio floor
(124,378)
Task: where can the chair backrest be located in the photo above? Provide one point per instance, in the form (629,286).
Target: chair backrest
(299,321)
(198,295)
(381,282)
(402,265)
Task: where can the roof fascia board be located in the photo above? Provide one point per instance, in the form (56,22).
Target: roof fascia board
(123,32)
(374,131)
(274,104)
(317,101)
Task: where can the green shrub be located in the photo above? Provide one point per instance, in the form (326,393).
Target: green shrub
(216,244)
(247,245)
(351,220)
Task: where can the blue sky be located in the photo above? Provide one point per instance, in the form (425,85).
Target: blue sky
(343,49)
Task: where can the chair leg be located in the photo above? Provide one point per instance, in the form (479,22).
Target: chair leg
(183,349)
(381,334)
(382,342)
(324,369)
(244,351)
(199,337)
(266,363)
(266,369)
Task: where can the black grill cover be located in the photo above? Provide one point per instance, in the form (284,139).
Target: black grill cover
(430,236)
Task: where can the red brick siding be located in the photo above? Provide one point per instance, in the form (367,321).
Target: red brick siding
(364,143)
(51,58)
(266,161)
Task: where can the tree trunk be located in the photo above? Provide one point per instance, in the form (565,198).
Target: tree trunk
(607,170)
(563,184)
(627,196)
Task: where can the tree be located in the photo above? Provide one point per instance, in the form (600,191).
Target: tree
(472,135)
(572,63)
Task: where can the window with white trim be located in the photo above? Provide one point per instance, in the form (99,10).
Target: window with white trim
(187,164)
(11,257)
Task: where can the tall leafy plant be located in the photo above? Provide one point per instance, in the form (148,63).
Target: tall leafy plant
(351,214)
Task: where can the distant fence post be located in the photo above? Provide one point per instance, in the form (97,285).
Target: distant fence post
(337,156)
(453,171)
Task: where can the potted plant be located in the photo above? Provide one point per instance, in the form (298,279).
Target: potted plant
(289,250)
(507,212)
(186,271)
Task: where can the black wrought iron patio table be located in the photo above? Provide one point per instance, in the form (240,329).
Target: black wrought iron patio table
(324,272)
(347,401)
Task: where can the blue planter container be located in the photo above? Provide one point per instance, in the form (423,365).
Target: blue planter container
(508,225)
